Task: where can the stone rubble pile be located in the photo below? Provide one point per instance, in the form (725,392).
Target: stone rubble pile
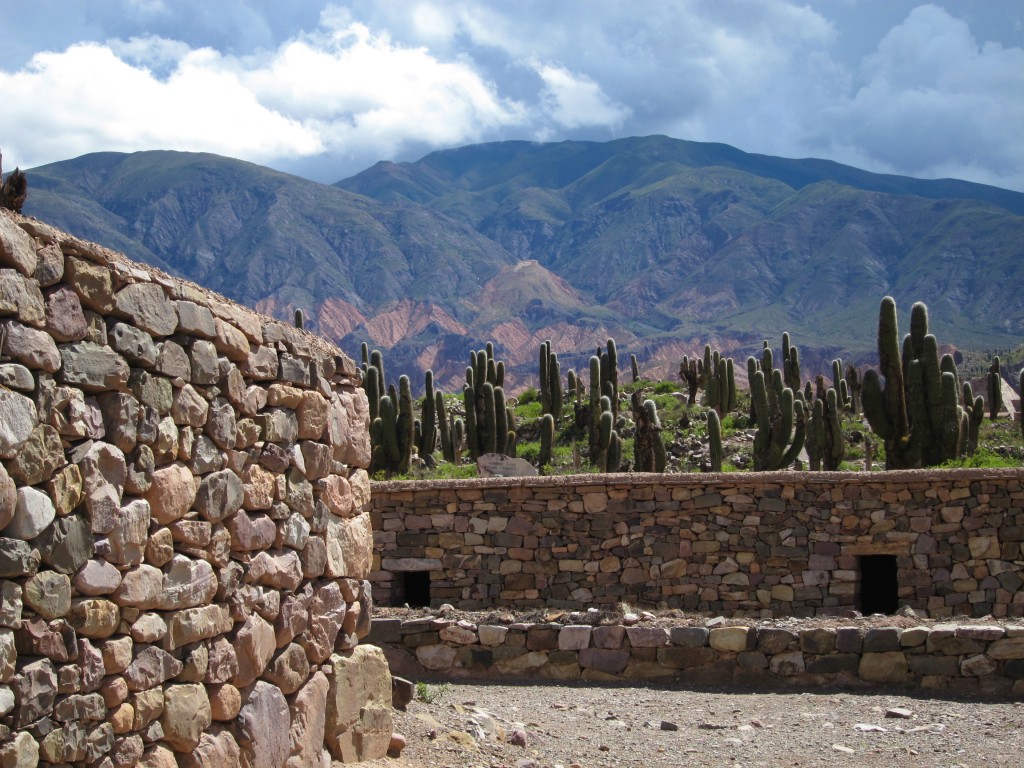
(184,527)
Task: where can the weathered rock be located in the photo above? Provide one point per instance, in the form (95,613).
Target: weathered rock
(21,296)
(17,558)
(94,617)
(134,344)
(65,320)
(358,716)
(171,494)
(215,750)
(16,248)
(152,390)
(18,418)
(97,577)
(48,593)
(120,418)
(151,667)
(254,644)
(186,715)
(67,544)
(33,513)
(35,690)
(349,547)
(39,458)
(65,489)
(141,587)
(92,283)
(148,307)
(220,424)
(17,377)
(308,722)
(92,367)
(191,625)
(187,583)
(104,472)
(263,726)
(884,667)
(278,570)
(29,346)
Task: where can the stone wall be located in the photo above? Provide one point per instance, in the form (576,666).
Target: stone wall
(759,544)
(956,659)
(184,526)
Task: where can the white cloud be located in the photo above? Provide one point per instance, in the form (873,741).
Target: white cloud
(574,101)
(933,102)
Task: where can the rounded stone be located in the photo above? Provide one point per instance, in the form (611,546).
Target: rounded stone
(48,593)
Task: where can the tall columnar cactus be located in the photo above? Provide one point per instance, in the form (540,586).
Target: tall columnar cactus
(780,430)
(635,368)
(649,454)
(790,364)
(609,370)
(974,408)
(853,388)
(995,389)
(609,446)
(714,440)
(427,442)
(826,447)
(691,371)
(364,355)
(1020,388)
(916,412)
(594,423)
(547,439)
(550,382)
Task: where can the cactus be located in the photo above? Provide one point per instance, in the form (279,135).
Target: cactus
(825,445)
(300,321)
(916,412)
(594,423)
(609,446)
(649,454)
(790,364)
(853,387)
(691,371)
(392,432)
(371,387)
(715,440)
(547,439)
(444,428)
(995,389)
(777,441)
(364,355)
(487,419)
(1020,389)
(635,368)
(550,382)
(974,408)
(427,441)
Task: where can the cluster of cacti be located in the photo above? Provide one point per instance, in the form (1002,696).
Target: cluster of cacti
(779,415)
(649,454)
(825,445)
(916,411)
(550,382)
(974,407)
(604,385)
(839,384)
(995,389)
(391,432)
(853,385)
(719,381)
(714,440)
(490,424)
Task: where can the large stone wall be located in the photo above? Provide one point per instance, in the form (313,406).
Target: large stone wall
(184,526)
(758,544)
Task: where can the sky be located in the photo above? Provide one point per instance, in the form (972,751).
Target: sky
(326,89)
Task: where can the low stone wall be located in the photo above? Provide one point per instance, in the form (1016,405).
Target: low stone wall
(734,544)
(984,659)
(184,526)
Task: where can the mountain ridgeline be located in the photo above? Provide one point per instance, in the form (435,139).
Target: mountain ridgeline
(663,244)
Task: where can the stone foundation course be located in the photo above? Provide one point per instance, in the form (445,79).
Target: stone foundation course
(184,525)
(951,659)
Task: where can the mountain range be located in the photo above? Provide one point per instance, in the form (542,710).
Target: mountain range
(662,244)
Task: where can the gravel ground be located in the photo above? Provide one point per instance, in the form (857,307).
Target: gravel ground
(589,725)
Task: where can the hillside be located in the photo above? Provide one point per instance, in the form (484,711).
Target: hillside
(663,244)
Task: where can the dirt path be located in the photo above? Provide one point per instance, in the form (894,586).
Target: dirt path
(470,725)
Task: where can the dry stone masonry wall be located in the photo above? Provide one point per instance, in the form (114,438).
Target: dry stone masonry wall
(958,659)
(184,527)
(757,544)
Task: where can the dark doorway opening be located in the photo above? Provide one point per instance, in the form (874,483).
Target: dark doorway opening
(416,586)
(879,587)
